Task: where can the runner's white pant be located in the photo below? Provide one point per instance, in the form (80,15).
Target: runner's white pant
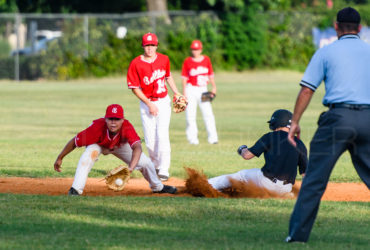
(124,152)
(156,134)
(254,175)
(194,95)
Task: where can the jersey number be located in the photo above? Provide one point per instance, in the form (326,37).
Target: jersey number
(161,86)
(202,80)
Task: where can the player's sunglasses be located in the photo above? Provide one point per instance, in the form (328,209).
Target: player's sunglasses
(113,119)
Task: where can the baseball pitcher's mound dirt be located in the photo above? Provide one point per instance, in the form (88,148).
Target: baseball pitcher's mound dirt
(140,187)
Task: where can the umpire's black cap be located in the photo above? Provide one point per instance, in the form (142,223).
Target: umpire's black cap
(280,118)
(348,15)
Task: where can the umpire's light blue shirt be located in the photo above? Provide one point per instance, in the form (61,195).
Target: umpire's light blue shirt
(344,65)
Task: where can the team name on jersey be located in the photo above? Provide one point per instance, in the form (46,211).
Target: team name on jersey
(157,74)
(198,71)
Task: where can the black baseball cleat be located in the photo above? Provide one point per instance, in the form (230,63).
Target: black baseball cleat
(167,190)
(73,192)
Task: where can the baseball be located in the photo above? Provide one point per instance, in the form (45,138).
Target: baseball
(119,181)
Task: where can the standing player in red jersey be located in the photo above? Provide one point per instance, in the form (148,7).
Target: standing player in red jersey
(110,135)
(147,76)
(197,72)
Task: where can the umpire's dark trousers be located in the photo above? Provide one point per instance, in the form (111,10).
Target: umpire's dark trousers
(340,129)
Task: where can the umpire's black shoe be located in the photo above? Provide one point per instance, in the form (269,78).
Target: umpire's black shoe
(73,192)
(167,190)
(291,240)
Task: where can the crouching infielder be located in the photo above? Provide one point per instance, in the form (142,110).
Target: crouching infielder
(281,159)
(110,135)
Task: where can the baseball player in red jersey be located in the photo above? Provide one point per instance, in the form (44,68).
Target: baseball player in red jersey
(110,135)
(147,76)
(197,72)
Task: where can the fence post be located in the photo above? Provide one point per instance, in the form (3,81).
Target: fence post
(33,30)
(16,61)
(86,35)
(153,21)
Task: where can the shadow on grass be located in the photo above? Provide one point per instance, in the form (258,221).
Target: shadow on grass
(164,223)
(28,173)
(34,173)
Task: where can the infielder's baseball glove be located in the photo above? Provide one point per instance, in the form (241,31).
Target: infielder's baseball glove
(117,178)
(208,96)
(179,103)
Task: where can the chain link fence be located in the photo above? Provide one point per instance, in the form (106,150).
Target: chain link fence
(31,44)
(64,46)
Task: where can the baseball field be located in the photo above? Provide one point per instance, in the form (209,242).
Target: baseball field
(38,118)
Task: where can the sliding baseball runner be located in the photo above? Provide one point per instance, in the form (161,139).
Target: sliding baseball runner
(281,159)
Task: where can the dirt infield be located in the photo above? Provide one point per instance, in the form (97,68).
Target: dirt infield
(139,187)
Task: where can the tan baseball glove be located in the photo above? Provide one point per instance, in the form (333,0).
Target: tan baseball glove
(117,178)
(179,103)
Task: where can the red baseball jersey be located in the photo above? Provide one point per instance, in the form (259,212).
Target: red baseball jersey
(197,73)
(149,76)
(98,133)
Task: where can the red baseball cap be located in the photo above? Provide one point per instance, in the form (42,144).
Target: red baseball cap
(150,39)
(114,111)
(196,44)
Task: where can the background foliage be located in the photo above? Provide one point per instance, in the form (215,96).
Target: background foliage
(244,34)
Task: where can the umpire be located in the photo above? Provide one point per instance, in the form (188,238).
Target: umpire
(344,66)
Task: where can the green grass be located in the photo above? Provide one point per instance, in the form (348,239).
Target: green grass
(171,223)
(38,118)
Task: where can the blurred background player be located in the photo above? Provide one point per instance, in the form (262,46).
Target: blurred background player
(281,159)
(110,135)
(147,76)
(197,72)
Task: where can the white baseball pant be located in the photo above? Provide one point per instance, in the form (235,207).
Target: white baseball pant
(194,95)
(123,152)
(156,134)
(254,175)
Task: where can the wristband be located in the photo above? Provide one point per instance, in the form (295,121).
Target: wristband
(240,149)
